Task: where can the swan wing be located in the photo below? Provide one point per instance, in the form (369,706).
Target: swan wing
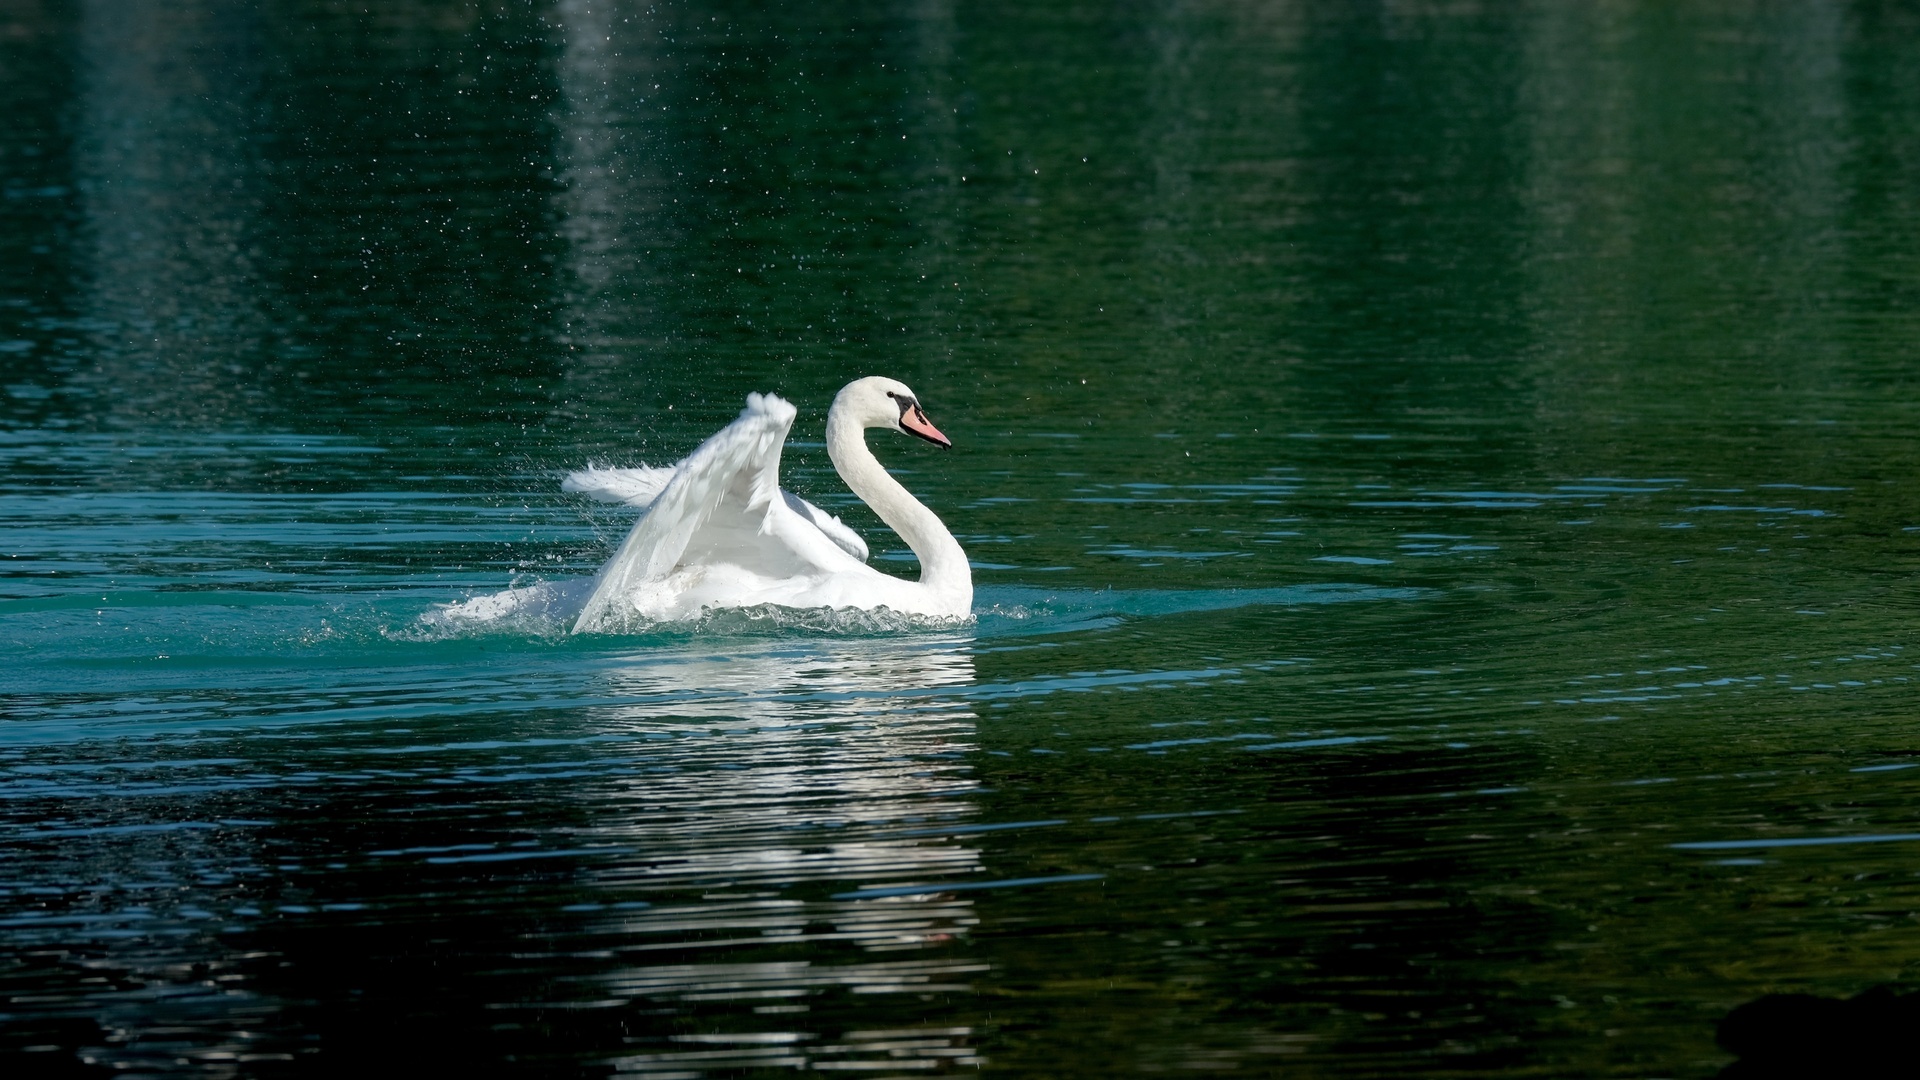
(836,530)
(722,507)
(636,487)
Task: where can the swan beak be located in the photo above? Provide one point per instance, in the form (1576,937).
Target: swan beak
(914,421)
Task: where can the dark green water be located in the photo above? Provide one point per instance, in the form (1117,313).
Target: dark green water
(1442,481)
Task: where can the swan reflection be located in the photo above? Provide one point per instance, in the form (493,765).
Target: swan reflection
(784,773)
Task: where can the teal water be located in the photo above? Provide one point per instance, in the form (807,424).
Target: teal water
(1441,480)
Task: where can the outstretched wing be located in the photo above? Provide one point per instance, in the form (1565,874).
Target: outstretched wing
(723,504)
(640,486)
(636,487)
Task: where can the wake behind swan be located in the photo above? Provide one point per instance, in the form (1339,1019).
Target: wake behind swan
(720,535)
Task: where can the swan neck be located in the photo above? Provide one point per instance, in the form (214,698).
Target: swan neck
(943,565)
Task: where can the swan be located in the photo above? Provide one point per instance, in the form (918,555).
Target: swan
(719,532)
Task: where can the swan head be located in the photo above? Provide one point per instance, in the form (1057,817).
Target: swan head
(879,402)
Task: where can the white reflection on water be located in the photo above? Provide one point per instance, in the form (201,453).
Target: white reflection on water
(798,769)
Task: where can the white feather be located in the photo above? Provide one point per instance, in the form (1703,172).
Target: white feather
(638,487)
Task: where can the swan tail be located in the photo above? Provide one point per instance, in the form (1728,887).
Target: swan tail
(743,455)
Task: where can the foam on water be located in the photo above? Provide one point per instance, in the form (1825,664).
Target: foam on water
(549,608)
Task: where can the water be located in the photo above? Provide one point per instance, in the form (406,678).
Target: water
(1441,482)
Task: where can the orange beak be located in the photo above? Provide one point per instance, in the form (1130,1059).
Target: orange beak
(914,421)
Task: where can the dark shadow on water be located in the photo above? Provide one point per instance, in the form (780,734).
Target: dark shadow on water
(1782,1036)
(48,1047)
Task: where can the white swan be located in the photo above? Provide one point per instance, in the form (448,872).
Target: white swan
(719,532)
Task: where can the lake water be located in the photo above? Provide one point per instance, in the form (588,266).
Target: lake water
(1442,480)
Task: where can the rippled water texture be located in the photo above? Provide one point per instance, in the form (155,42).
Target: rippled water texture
(1441,479)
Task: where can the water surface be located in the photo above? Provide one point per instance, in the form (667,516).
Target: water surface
(1441,482)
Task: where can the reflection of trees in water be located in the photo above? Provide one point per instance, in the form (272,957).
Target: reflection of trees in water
(744,193)
(169,293)
(1694,191)
(618,170)
(787,770)
(265,229)
(409,240)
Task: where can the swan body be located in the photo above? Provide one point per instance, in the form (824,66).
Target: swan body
(719,532)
